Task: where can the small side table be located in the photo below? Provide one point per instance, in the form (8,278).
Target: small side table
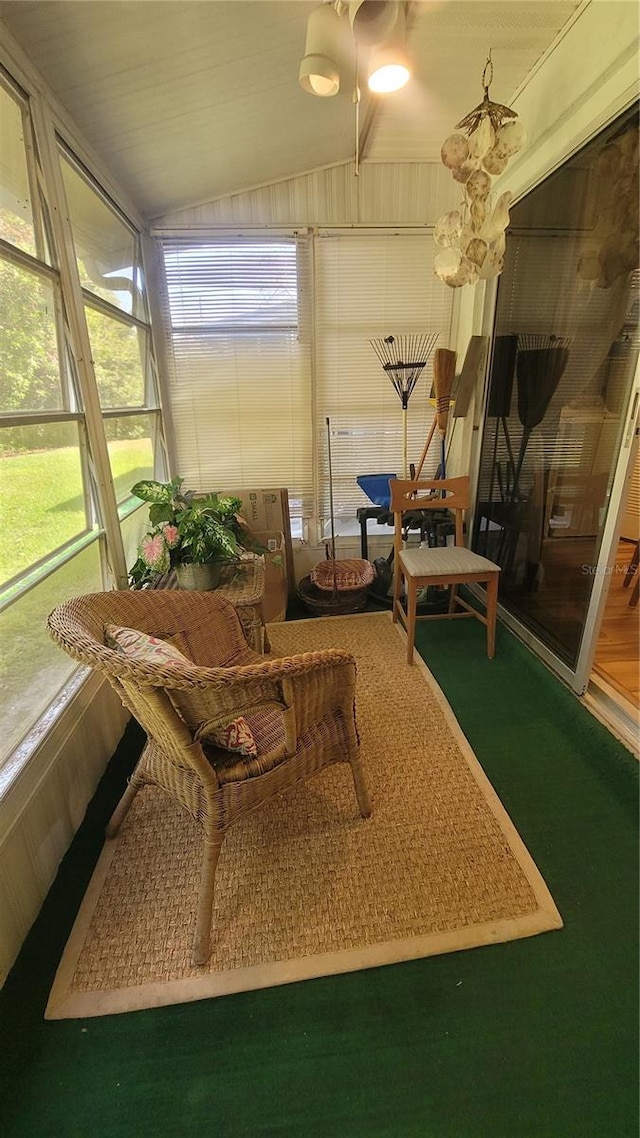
(363,514)
(246,592)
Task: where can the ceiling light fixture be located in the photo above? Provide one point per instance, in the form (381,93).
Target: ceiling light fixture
(388,64)
(319,72)
(372,21)
(377,28)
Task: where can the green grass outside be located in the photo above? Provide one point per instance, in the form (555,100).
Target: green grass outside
(41,507)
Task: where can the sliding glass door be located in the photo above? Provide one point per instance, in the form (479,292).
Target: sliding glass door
(564,356)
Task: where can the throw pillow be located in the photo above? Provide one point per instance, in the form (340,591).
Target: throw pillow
(142,647)
(236,735)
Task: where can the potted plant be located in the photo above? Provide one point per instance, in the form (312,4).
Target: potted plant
(194,534)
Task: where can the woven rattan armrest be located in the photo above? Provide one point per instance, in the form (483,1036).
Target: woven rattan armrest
(307,686)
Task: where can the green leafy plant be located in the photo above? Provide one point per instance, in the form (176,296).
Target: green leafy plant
(186,529)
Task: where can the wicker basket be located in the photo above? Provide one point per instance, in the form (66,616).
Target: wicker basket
(346,574)
(338,603)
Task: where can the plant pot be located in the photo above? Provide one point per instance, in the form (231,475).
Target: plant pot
(200,577)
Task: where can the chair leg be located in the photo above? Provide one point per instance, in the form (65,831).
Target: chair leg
(412,601)
(202,942)
(492,606)
(635,596)
(362,793)
(397,584)
(124,805)
(452,597)
(633,565)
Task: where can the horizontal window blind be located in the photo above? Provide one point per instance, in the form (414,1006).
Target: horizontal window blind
(240,391)
(368,287)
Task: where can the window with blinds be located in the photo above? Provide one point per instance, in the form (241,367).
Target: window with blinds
(368,286)
(241,384)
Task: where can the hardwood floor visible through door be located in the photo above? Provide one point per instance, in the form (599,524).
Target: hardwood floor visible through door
(617,657)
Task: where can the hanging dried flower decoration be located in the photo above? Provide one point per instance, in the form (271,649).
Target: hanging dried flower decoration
(473,237)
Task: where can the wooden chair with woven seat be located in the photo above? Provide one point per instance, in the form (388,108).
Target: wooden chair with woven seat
(300,711)
(449,565)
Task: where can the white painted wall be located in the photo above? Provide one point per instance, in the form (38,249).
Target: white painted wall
(384,193)
(42,808)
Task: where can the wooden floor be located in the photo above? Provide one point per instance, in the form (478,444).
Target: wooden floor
(617,657)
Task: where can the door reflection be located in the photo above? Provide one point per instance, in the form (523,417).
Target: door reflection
(564,354)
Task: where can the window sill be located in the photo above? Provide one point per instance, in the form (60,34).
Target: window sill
(57,719)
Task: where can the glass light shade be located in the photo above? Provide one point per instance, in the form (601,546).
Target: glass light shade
(319,75)
(323,85)
(389,70)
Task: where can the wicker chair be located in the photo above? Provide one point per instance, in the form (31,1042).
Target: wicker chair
(301,709)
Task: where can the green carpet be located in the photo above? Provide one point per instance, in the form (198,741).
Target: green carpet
(532,1038)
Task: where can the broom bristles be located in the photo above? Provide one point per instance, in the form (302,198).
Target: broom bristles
(444,371)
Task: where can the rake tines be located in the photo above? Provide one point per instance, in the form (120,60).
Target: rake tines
(404,358)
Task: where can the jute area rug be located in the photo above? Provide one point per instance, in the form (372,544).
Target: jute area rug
(305,887)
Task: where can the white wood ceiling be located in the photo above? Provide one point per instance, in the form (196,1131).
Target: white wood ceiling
(187,100)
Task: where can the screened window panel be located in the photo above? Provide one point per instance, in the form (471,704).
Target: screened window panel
(241,389)
(118,350)
(32,667)
(106,248)
(16,215)
(369,287)
(130,440)
(133,528)
(42,504)
(107,251)
(30,375)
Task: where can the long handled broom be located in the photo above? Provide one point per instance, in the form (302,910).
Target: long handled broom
(444,370)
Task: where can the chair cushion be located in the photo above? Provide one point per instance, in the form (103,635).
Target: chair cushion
(349,573)
(267,729)
(142,647)
(450,559)
(233,735)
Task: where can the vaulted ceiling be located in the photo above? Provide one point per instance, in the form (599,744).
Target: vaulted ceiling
(184,101)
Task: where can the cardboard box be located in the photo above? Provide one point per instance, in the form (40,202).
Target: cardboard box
(268,510)
(274,607)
